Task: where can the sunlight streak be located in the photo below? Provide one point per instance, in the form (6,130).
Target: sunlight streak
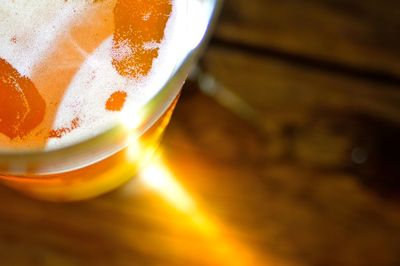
(157,177)
(227,251)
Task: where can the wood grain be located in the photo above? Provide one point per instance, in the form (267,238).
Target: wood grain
(360,34)
(280,212)
(285,206)
(325,115)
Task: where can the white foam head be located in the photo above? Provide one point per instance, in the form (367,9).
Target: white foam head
(37,25)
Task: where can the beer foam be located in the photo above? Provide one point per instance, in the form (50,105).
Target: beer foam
(31,30)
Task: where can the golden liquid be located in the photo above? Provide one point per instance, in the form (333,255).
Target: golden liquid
(28,106)
(95,179)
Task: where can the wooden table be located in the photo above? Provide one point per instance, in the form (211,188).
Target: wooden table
(290,158)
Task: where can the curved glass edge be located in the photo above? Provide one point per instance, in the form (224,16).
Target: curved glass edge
(114,139)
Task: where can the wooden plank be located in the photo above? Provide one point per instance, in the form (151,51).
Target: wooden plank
(361,34)
(281,86)
(282,213)
(287,208)
(314,117)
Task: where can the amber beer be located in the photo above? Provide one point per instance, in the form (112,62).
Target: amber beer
(71,69)
(96,178)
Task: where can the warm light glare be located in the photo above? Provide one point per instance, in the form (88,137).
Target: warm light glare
(156,176)
(131,119)
(134,148)
(227,251)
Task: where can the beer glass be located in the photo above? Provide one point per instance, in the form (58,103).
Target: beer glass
(111,158)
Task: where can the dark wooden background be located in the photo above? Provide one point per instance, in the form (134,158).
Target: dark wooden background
(293,152)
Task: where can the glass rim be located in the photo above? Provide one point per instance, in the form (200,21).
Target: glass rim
(114,138)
